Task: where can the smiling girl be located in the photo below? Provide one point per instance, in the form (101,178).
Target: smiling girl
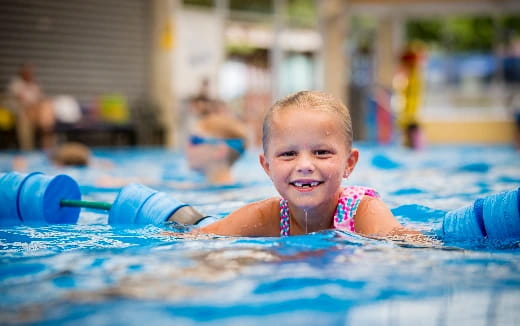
(307,151)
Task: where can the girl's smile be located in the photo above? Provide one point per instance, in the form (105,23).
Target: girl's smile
(305,185)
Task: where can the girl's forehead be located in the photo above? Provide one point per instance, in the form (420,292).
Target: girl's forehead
(315,124)
(296,116)
(311,127)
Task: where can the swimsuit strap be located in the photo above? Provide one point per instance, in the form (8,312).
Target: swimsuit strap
(345,211)
(348,204)
(284,217)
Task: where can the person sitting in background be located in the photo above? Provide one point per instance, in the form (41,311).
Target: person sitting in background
(216,142)
(34,111)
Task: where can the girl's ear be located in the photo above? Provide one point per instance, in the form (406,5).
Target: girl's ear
(264,163)
(351,162)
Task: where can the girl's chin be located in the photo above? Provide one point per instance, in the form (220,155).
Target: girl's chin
(305,204)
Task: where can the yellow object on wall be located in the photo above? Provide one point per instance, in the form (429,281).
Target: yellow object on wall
(167,37)
(7,119)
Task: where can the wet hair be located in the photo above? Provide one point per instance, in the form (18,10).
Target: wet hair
(225,127)
(71,154)
(306,101)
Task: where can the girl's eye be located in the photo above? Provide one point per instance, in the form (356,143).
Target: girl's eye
(322,153)
(288,154)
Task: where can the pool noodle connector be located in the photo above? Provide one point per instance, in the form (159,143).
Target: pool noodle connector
(495,217)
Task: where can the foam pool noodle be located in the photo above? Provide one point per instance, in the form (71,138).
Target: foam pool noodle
(35,198)
(495,217)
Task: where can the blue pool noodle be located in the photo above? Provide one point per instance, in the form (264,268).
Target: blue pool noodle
(157,208)
(35,198)
(465,222)
(501,215)
(10,186)
(127,203)
(495,217)
(138,204)
(40,196)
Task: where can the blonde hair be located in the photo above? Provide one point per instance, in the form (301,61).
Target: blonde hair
(222,126)
(309,100)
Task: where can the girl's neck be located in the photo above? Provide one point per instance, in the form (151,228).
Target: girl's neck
(312,220)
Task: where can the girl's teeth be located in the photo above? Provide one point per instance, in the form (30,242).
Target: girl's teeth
(312,184)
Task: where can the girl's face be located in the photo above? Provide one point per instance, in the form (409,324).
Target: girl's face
(307,157)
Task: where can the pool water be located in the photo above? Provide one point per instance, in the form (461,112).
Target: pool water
(92,273)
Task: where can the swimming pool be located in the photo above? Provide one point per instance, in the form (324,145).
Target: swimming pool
(96,274)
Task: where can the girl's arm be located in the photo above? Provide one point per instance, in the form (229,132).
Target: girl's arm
(373,217)
(255,219)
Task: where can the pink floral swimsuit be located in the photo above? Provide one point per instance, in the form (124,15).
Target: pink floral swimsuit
(343,217)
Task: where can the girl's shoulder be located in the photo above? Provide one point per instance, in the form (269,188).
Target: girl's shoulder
(373,217)
(266,209)
(259,218)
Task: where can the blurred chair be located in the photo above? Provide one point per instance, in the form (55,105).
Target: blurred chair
(108,122)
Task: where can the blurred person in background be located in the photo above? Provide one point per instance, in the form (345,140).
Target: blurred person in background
(215,143)
(408,84)
(67,154)
(212,147)
(514,106)
(202,104)
(34,111)
(511,72)
(71,154)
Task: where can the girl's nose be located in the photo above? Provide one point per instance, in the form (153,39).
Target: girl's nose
(305,164)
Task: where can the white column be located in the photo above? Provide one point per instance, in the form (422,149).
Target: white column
(280,12)
(162,68)
(334,18)
(389,43)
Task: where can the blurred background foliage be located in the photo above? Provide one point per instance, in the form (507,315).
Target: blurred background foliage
(464,34)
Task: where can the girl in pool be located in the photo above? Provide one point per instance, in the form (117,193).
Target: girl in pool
(307,152)
(216,142)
